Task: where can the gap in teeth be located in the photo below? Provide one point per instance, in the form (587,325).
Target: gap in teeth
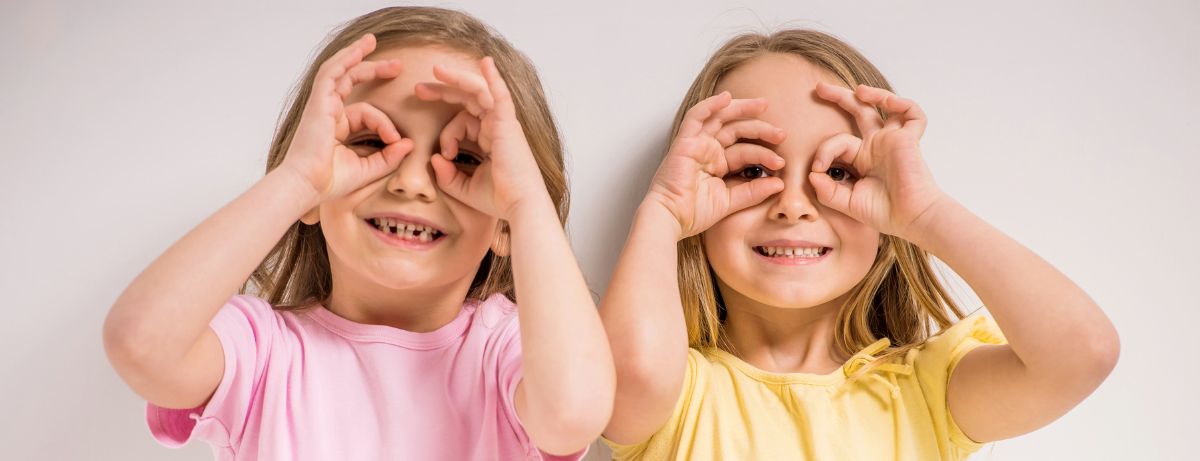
(791,252)
(405,230)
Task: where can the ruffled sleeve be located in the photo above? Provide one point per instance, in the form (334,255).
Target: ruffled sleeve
(934,363)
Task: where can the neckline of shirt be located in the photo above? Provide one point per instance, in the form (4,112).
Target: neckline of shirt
(837,376)
(354,331)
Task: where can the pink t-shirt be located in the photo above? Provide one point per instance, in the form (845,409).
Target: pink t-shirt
(312,385)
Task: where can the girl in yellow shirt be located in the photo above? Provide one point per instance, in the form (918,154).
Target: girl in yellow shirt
(775,299)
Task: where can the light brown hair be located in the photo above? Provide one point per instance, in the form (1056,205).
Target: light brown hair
(900,298)
(296,271)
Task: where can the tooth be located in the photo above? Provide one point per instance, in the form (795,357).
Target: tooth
(424,236)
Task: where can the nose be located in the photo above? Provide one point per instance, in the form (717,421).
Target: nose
(797,202)
(414,178)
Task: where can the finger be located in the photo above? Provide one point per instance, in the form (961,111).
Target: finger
(429,91)
(362,115)
(737,109)
(463,126)
(865,115)
(750,129)
(740,156)
(337,65)
(367,71)
(748,194)
(831,193)
(387,160)
(842,148)
(495,82)
(693,119)
(901,112)
(449,178)
(468,82)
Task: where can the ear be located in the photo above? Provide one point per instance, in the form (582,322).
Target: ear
(313,216)
(500,241)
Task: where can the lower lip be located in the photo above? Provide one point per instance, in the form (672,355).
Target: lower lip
(395,240)
(792,261)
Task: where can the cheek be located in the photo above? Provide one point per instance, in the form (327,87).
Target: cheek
(859,245)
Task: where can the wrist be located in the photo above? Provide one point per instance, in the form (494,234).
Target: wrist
(536,207)
(652,216)
(945,217)
(295,187)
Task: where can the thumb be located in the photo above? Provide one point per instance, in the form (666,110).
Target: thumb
(830,193)
(449,178)
(752,193)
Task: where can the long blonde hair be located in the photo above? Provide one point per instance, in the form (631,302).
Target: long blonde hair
(296,271)
(900,298)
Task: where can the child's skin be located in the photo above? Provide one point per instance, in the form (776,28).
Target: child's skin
(807,130)
(368,144)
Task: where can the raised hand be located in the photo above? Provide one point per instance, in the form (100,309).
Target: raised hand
(879,179)
(339,148)
(690,182)
(504,176)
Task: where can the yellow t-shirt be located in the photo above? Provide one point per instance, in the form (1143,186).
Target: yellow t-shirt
(730,410)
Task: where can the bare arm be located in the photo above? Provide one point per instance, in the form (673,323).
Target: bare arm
(643,316)
(156,333)
(1061,345)
(566,395)
(642,309)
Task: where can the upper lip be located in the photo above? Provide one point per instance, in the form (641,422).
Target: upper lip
(408,219)
(790,244)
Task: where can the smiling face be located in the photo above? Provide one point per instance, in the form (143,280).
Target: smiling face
(401,232)
(789,251)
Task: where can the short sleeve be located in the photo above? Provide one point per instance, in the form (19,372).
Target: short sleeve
(693,380)
(510,367)
(246,327)
(934,363)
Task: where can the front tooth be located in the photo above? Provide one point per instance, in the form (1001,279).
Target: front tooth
(789,252)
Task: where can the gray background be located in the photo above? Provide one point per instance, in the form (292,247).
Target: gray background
(1068,125)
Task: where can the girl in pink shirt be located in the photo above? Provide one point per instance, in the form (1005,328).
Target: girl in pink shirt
(414,185)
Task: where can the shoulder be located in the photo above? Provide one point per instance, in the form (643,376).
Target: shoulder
(944,349)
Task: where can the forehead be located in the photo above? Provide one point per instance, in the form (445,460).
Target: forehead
(789,83)
(395,97)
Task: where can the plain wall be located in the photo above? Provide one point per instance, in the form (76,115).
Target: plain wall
(1068,125)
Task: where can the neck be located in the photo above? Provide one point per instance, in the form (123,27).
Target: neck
(782,340)
(416,309)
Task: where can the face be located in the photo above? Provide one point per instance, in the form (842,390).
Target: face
(437,243)
(789,251)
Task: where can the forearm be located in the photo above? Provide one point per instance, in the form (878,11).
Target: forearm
(643,316)
(568,374)
(1037,307)
(166,308)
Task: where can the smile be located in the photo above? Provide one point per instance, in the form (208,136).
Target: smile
(792,255)
(407,234)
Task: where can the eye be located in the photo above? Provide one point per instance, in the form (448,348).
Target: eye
(372,143)
(840,174)
(750,172)
(468,159)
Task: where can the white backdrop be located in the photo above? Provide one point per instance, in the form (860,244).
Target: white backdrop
(1066,125)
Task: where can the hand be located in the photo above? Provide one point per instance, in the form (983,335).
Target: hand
(690,183)
(879,179)
(319,152)
(504,177)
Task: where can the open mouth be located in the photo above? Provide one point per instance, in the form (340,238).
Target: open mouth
(406,230)
(792,252)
